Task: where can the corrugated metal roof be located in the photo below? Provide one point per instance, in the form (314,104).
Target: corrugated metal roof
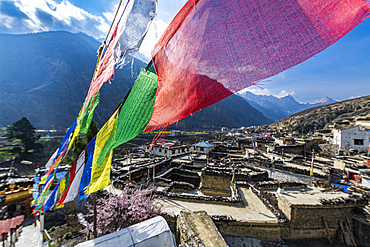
(204,145)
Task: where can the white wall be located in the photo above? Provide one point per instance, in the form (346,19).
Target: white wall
(346,138)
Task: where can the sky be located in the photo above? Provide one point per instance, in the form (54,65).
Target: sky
(340,72)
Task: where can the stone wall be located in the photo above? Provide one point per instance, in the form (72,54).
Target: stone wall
(171,220)
(191,167)
(197,229)
(139,173)
(218,178)
(264,231)
(233,198)
(277,184)
(306,221)
(270,201)
(179,185)
(185,234)
(178,174)
(280,166)
(228,149)
(291,149)
(361,230)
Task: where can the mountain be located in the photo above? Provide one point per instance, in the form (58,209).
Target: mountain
(232,112)
(321,117)
(45,77)
(325,100)
(277,108)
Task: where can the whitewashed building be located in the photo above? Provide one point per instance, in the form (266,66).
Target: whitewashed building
(351,138)
(175,133)
(168,148)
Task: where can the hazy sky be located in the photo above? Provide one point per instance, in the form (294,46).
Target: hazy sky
(340,72)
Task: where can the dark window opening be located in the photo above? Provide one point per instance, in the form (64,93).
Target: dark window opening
(358,142)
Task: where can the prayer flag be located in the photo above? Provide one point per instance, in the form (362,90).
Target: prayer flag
(100,170)
(51,200)
(51,160)
(100,176)
(214,48)
(59,154)
(253,39)
(86,174)
(135,16)
(134,114)
(74,180)
(127,37)
(311,170)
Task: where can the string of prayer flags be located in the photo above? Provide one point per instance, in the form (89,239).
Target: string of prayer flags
(214,48)
(129,32)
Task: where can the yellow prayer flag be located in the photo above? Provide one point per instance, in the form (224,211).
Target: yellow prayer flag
(103,136)
(100,171)
(100,176)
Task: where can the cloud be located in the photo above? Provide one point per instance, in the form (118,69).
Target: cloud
(257,90)
(155,31)
(284,93)
(20,16)
(10,9)
(25,16)
(281,75)
(264,91)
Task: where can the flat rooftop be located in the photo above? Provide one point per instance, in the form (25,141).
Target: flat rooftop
(310,196)
(252,209)
(315,170)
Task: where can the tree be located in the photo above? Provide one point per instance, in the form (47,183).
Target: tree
(25,131)
(131,206)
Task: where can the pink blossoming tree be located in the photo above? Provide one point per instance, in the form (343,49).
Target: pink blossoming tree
(133,205)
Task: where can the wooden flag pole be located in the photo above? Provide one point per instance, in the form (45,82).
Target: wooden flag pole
(94,205)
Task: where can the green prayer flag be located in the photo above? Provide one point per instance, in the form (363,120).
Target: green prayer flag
(135,113)
(87,115)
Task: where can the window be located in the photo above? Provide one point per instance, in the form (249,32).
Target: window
(173,151)
(159,150)
(358,142)
(201,149)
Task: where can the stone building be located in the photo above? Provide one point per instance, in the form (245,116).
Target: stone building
(203,147)
(168,148)
(351,138)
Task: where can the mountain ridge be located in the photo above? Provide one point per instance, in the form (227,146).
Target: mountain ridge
(320,117)
(277,108)
(46,77)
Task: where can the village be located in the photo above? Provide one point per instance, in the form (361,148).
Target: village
(255,186)
(137,112)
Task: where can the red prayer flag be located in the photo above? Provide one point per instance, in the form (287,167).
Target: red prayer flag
(214,48)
